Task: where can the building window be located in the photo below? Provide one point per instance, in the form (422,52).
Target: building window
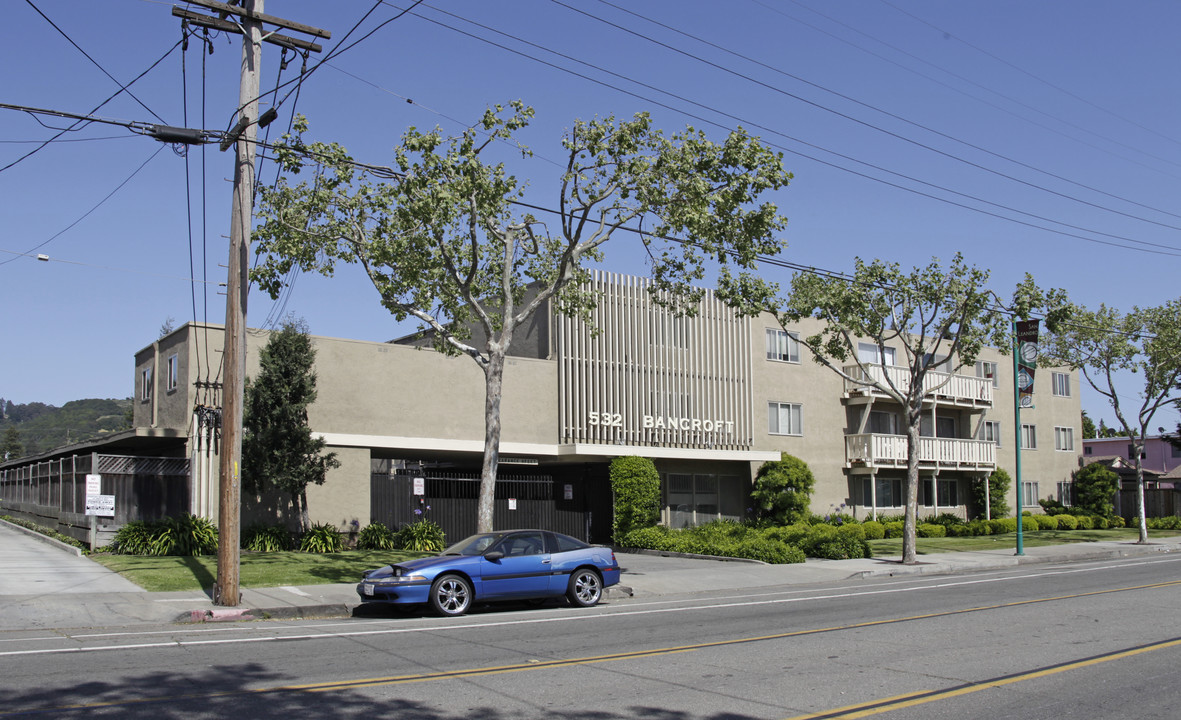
(1066,493)
(1088,450)
(945,427)
(873,355)
(949,493)
(783,346)
(1064,439)
(172,372)
(990,431)
(1176,451)
(1029,437)
(145,384)
(1132,453)
(1061,384)
(785,418)
(884,423)
(889,493)
(988,370)
(1029,494)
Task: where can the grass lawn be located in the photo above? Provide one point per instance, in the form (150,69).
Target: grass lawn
(257,570)
(1039,538)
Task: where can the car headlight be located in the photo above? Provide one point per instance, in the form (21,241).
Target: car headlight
(396,579)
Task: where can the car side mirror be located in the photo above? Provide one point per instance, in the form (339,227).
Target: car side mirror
(494,555)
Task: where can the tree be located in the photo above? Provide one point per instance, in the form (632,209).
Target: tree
(1145,342)
(444,241)
(278,448)
(939,318)
(10,446)
(1089,430)
(1094,488)
(997,485)
(783,490)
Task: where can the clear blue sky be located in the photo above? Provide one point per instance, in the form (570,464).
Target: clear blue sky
(1038,137)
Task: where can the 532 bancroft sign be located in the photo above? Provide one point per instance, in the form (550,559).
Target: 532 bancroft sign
(663,422)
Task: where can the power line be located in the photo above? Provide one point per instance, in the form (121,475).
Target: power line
(807,144)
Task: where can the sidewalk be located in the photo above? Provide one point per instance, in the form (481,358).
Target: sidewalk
(47,585)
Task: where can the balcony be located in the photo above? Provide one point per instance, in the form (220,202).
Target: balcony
(872,451)
(960,390)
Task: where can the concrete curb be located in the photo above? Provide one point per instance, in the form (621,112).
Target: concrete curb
(44,538)
(691,556)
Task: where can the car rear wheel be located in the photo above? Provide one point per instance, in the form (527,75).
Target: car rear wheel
(585,588)
(451,595)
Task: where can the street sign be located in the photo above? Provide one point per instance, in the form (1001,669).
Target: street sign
(101,505)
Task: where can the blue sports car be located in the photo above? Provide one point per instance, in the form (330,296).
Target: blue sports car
(504,565)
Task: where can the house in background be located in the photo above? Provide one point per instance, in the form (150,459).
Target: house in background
(1158,457)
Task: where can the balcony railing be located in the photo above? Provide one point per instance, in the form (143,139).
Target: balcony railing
(960,389)
(871,450)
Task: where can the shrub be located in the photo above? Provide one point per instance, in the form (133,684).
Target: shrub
(647,538)
(1046,522)
(894,528)
(835,543)
(1066,522)
(1170,522)
(997,486)
(1028,524)
(1001,526)
(184,535)
(1085,522)
(947,520)
(1051,506)
(930,530)
(266,538)
(782,491)
(959,531)
(768,551)
(321,538)
(420,536)
(636,486)
(792,534)
(1116,521)
(980,527)
(874,530)
(375,536)
(1099,522)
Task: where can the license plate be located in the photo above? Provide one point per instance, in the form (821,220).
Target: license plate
(367,589)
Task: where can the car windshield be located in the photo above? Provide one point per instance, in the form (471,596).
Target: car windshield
(473,545)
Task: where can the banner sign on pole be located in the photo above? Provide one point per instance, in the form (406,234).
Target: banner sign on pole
(1027,331)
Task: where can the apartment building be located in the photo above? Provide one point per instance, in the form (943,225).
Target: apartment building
(709,398)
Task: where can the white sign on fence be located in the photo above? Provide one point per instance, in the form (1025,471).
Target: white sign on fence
(101,505)
(94,485)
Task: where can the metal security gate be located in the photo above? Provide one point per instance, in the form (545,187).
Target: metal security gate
(450,499)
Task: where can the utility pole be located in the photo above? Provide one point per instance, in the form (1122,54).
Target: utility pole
(248,21)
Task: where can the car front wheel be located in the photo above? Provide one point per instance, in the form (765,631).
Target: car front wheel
(585,589)
(451,595)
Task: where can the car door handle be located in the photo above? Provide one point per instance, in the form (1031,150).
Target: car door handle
(545,562)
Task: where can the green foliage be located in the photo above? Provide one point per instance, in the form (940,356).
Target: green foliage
(28,429)
(793,534)
(321,538)
(1028,524)
(719,538)
(1000,526)
(444,242)
(421,536)
(945,519)
(1170,522)
(186,535)
(1066,521)
(783,491)
(278,447)
(980,527)
(930,530)
(1052,506)
(836,543)
(874,530)
(1046,522)
(376,536)
(636,487)
(1086,522)
(656,537)
(999,483)
(894,528)
(259,537)
(1095,487)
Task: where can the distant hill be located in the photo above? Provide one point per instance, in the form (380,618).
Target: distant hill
(42,427)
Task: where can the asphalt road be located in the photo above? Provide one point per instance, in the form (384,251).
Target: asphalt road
(1083,640)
